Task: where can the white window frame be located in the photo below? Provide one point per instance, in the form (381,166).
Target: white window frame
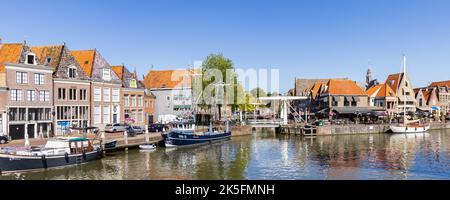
(115,95)
(133,100)
(139,100)
(38,79)
(22,77)
(44,96)
(97,114)
(34,58)
(74,73)
(106,114)
(106,74)
(31,95)
(126,100)
(97,94)
(106,94)
(16,95)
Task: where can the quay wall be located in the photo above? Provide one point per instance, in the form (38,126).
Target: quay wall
(351,129)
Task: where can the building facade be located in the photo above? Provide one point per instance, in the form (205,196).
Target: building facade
(443,93)
(71,88)
(134,106)
(403,88)
(342,97)
(29,98)
(105,88)
(382,97)
(172,90)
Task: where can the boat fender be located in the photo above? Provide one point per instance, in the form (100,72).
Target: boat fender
(84,156)
(99,151)
(66,156)
(44,161)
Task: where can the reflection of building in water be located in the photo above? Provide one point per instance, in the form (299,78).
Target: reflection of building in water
(284,152)
(401,150)
(344,156)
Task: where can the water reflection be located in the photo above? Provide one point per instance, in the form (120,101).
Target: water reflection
(265,155)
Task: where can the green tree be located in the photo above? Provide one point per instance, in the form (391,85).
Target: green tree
(224,65)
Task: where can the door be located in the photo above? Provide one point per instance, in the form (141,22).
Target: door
(17,132)
(150,119)
(115,118)
(30,131)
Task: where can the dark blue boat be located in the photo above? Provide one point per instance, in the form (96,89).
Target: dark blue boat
(186,136)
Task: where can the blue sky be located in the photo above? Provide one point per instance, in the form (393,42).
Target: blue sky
(307,39)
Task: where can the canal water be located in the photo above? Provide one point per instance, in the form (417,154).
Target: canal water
(266,155)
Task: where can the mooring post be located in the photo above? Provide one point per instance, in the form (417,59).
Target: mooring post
(125,135)
(147,136)
(102,143)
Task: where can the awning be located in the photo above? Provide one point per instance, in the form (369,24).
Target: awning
(352,110)
(435,108)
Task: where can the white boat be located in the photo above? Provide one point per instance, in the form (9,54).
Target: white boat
(410,129)
(408,126)
(147,146)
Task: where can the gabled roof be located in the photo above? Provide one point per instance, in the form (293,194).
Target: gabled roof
(9,53)
(316,89)
(440,84)
(373,91)
(344,87)
(393,81)
(386,91)
(43,52)
(85,59)
(426,95)
(167,79)
(119,70)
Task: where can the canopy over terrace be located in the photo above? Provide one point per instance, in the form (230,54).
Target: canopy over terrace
(284,104)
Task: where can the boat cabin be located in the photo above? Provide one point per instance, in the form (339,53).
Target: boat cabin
(74,145)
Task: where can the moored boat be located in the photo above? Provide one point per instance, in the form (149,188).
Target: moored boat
(147,147)
(408,126)
(56,152)
(177,138)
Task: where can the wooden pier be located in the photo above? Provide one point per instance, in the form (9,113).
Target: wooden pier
(297,129)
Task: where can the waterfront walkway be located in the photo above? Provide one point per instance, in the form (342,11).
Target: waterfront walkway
(132,141)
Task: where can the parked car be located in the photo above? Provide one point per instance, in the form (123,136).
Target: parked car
(156,128)
(112,128)
(130,131)
(3,139)
(138,130)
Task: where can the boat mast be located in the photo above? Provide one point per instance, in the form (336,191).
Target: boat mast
(403,91)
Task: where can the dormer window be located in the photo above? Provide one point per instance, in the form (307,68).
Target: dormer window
(72,72)
(48,61)
(106,75)
(133,83)
(30,59)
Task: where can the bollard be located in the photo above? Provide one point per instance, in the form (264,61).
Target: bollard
(125,135)
(147,138)
(103,141)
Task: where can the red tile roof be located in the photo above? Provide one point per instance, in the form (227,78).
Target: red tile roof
(167,79)
(441,84)
(344,87)
(85,59)
(9,53)
(44,52)
(393,81)
(118,70)
(315,89)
